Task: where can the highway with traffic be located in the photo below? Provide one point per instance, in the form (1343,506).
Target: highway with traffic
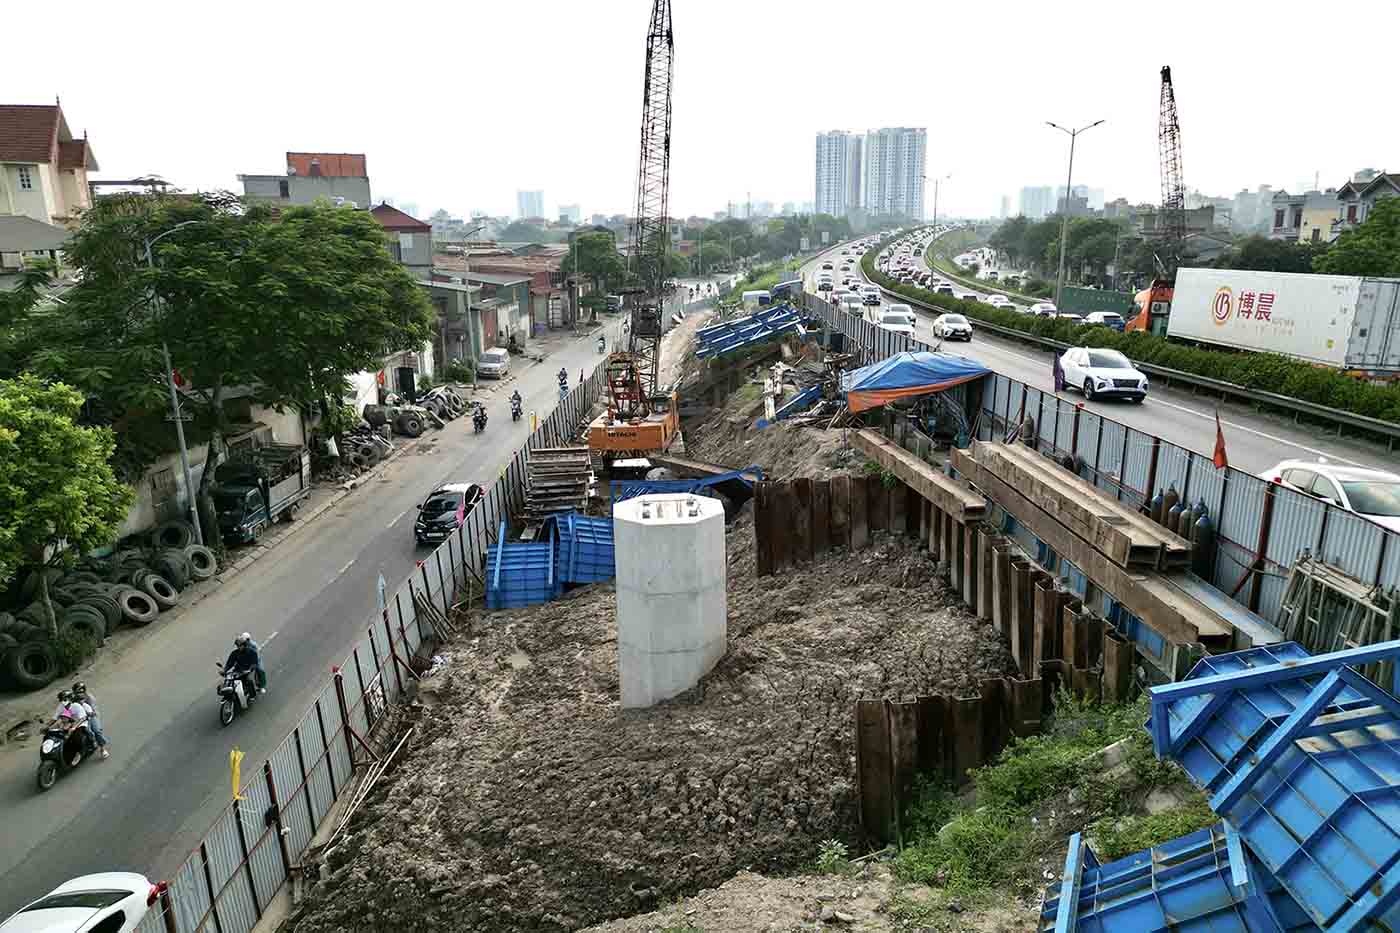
(1255,441)
(306,602)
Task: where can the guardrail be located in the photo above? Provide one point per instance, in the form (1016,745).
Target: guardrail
(259,840)
(1259,398)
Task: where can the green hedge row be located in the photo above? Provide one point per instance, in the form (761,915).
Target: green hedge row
(1264,371)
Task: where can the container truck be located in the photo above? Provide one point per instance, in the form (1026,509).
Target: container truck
(257,488)
(1343,322)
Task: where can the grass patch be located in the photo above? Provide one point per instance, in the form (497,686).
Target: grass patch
(833,858)
(1115,837)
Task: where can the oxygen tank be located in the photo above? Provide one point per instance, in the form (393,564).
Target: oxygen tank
(1169,500)
(1173,515)
(1203,537)
(1154,508)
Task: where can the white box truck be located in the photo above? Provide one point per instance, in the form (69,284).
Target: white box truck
(1340,321)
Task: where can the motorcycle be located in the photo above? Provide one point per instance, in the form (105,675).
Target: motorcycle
(62,749)
(602,344)
(479,419)
(236,692)
(515,409)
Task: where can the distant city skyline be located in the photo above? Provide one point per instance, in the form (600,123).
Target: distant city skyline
(529,204)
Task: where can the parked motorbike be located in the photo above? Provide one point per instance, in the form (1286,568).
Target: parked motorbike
(236,693)
(479,419)
(61,750)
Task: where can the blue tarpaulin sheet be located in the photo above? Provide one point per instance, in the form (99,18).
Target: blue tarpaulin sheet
(907,374)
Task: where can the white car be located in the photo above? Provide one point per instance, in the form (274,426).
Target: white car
(952,327)
(1042,308)
(1106,318)
(898,318)
(109,902)
(1066,316)
(1102,373)
(1371,494)
(998,301)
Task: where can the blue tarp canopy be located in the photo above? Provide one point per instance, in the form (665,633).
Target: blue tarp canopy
(907,374)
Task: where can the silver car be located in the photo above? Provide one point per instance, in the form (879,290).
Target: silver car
(494,363)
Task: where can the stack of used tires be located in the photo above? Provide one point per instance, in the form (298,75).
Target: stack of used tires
(131,587)
(443,402)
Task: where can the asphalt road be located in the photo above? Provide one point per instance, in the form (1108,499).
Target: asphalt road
(306,602)
(1253,441)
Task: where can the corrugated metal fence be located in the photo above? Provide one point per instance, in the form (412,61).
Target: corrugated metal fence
(1261,527)
(229,879)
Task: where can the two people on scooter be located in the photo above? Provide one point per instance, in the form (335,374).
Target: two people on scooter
(245,657)
(73,713)
(515,404)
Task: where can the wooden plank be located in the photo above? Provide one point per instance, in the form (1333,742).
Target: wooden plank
(1177,618)
(985,540)
(969,566)
(782,527)
(914,509)
(904,751)
(1072,647)
(935,530)
(957,566)
(841,511)
(1021,621)
(967,737)
(932,754)
(859,506)
(877,504)
(1001,588)
(1093,639)
(801,520)
(899,521)
(949,494)
(762,528)
(1095,506)
(996,718)
(1043,605)
(1117,668)
(1027,707)
(924,506)
(946,555)
(873,773)
(821,517)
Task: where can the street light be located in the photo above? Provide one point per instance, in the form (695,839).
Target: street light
(1069,188)
(936,181)
(174,395)
(467,284)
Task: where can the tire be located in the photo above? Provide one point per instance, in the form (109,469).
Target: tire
(47,775)
(410,424)
(137,607)
(31,665)
(174,533)
(1139,399)
(172,571)
(255,534)
(225,712)
(111,612)
(7,642)
(1088,390)
(31,633)
(161,590)
(82,576)
(290,515)
(91,627)
(203,563)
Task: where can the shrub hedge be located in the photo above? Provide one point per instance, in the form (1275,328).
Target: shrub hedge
(1264,371)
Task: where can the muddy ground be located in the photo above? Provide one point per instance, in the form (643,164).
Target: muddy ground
(530,800)
(785,450)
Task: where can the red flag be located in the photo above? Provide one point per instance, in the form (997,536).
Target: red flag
(1221,461)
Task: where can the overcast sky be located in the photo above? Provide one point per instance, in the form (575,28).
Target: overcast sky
(460,105)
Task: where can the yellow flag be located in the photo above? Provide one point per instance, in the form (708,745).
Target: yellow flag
(235,763)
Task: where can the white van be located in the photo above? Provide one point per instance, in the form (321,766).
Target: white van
(870,295)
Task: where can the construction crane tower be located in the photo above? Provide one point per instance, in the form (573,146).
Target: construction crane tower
(641,416)
(1173,215)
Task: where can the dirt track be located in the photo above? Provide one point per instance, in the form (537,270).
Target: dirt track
(539,804)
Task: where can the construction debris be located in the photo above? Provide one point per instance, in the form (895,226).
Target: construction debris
(557,479)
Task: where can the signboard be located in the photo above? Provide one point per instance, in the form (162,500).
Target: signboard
(1308,317)
(804,245)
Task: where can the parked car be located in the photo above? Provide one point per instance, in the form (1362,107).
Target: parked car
(1096,372)
(109,902)
(493,363)
(952,327)
(1106,318)
(1042,308)
(1372,494)
(445,509)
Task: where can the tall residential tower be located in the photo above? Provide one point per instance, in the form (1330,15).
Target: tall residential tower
(893,171)
(838,173)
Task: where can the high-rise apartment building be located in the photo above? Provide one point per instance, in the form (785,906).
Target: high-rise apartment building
(1037,202)
(529,203)
(838,173)
(893,171)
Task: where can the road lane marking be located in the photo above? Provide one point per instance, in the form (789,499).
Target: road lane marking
(346,567)
(394,522)
(268,639)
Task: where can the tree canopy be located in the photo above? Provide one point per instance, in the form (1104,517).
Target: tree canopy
(1373,248)
(55,476)
(1261,254)
(595,257)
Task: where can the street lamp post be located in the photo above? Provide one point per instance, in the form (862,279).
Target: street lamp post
(936,182)
(1069,188)
(467,284)
(175,395)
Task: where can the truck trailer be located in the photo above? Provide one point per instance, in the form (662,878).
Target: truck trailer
(1342,322)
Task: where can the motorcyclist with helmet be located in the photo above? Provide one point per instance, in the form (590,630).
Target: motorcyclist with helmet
(73,715)
(516,403)
(245,657)
(94,718)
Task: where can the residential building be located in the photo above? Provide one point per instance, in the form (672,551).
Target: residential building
(43,168)
(838,168)
(809,207)
(1306,217)
(529,204)
(893,162)
(1005,206)
(410,240)
(1358,196)
(1037,202)
(1252,211)
(341,177)
(1118,208)
(23,240)
(570,213)
(1078,205)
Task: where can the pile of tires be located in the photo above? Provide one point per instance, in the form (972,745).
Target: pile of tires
(444,402)
(131,587)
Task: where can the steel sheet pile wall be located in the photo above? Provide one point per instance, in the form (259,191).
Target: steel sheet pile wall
(1261,528)
(228,881)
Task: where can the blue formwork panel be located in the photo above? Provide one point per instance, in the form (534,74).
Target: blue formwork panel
(1301,756)
(741,332)
(1189,884)
(585,548)
(521,573)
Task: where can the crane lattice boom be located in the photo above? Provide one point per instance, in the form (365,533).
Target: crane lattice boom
(1173,186)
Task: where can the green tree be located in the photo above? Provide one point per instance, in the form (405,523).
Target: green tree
(521,232)
(595,257)
(1261,254)
(677,266)
(1096,252)
(1036,240)
(56,480)
(289,304)
(1010,237)
(1371,249)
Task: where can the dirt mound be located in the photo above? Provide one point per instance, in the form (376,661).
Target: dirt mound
(538,803)
(784,450)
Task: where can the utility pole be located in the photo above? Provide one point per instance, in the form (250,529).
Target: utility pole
(1069,193)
